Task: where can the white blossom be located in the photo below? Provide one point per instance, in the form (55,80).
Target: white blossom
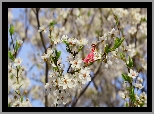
(97,55)
(84,75)
(112,31)
(42,28)
(64,37)
(139,86)
(140,80)
(82,41)
(76,63)
(132,74)
(45,56)
(49,51)
(132,30)
(20,42)
(17,61)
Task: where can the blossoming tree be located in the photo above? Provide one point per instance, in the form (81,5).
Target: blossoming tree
(104,47)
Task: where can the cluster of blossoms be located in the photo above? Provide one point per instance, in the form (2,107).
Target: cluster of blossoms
(78,72)
(59,83)
(132,21)
(128,86)
(15,71)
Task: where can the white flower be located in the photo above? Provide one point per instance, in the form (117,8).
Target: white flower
(17,103)
(16,86)
(20,42)
(139,86)
(17,61)
(114,53)
(54,65)
(59,61)
(64,37)
(63,98)
(72,41)
(132,30)
(84,75)
(123,96)
(42,28)
(127,48)
(125,84)
(23,68)
(56,40)
(97,55)
(49,51)
(133,74)
(112,31)
(140,80)
(136,96)
(143,96)
(82,41)
(45,56)
(66,81)
(15,97)
(52,76)
(26,103)
(76,63)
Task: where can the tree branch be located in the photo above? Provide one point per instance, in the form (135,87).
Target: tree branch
(46,65)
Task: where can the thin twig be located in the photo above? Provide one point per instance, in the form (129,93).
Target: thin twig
(46,65)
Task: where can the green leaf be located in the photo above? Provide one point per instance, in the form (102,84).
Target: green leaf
(141,105)
(11,30)
(126,104)
(17,46)
(58,54)
(118,42)
(10,55)
(52,23)
(22,98)
(80,48)
(55,68)
(126,78)
(54,60)
(107,49)
(130,63)
(121,55)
